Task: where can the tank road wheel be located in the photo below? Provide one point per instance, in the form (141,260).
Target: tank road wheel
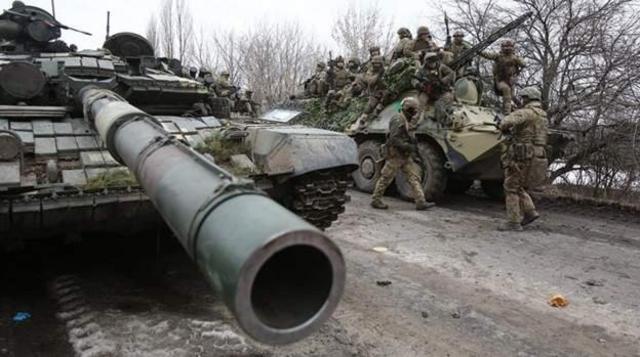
(458,186)
(319,197)
(493,189)
(366,176)
(434,175)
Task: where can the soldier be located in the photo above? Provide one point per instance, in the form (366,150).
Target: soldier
(400,147)
(374,51)
(316,86)
(377,90)
(223,88)
(354,67)
(424,42)
(458,45)
(507,65)
(193,72)
(525,160)
(341,77)
(404,47)
(434,81)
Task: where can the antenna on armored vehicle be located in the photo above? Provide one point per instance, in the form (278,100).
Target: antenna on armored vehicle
(53,8)
(108,24)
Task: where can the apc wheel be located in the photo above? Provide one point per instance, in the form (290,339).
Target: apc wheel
(366,176)
(493,189)
(458,186)
(434,175)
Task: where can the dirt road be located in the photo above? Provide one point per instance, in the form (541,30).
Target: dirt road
(446,283)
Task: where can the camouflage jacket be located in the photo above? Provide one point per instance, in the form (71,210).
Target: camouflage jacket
(399,137)
(341,78)
(375,83)
(505,67)
(435,83)
(426,46)
(457,50)
(527,125)
(404,48)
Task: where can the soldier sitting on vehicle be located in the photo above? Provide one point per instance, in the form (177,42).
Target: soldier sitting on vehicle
(223,87)
(341,77)
(316,86)
(424,42)
(404,47)
(507,65)
(400,148)
(377,91)
(354,67)
(435,82)
(525,161)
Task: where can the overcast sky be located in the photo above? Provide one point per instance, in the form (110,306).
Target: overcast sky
(132,15)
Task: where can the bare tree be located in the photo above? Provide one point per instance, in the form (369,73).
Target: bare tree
(585,57)
(152,33)
(359,28)
(226,48)
(175,30)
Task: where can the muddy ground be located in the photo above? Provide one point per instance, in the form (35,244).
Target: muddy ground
(448,284)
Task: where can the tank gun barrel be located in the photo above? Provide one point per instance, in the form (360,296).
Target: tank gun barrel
(280,276)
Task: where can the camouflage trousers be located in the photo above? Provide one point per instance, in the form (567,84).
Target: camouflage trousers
(506,92)
(411,170)
(517,199)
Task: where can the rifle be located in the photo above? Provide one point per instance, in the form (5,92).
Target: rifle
(447,44)
(468,55)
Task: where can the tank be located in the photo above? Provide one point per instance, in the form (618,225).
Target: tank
(457,144)
(105,141)
(56,172)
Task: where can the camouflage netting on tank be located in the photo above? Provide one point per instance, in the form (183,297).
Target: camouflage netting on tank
(400,80)
(222,149)
(112,178)
(338,121)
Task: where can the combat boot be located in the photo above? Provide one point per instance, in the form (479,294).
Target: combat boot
(510,227)
(424,205)
(378,204)
(529,218)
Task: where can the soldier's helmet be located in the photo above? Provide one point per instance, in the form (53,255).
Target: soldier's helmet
(404,32)
(423,30)
(374,49)
(459,34)
(410,103)
(531,93)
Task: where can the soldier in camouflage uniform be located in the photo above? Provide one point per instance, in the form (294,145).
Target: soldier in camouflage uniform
(316,86)
(404,47)
(507,65)
(423,43)
(377,90)
(354,67)
(223,87)
(525,159)
(374,51)
(400,148)
(341,76)
(435,82)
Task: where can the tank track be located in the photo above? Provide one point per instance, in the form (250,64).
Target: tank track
(320,197)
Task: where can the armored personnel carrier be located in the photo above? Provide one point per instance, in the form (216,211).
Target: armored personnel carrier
(104,141)
(457,145)
(56,174)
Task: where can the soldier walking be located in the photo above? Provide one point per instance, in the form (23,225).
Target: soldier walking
(400,148)
(524,161)
(507,65)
